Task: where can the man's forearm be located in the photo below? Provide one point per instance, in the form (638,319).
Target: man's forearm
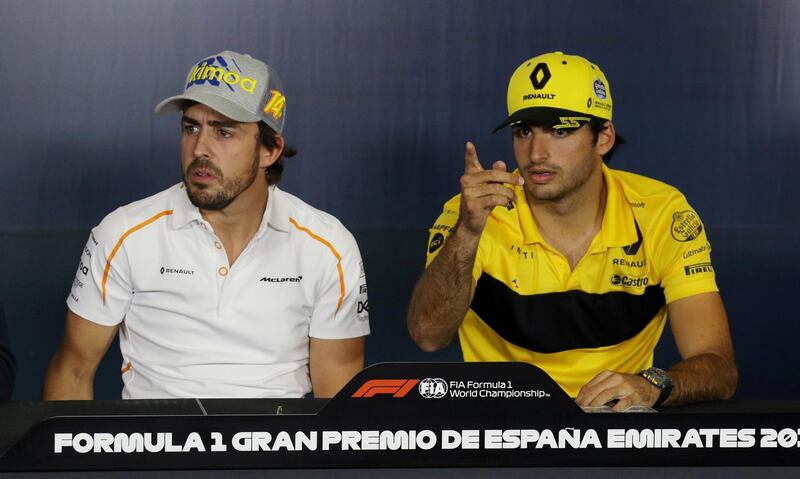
(705,377)
(442,295)
(61,383)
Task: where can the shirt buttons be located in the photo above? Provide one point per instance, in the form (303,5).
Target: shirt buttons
(217,244)
(223,271)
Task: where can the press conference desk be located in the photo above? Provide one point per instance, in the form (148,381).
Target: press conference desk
(443,420)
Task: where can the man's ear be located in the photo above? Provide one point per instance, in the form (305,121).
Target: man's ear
(267,156)
(606,138)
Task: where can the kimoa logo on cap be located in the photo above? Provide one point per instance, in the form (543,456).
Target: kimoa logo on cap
(207,71)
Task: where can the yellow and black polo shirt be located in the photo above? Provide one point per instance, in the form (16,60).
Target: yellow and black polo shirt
(607,313)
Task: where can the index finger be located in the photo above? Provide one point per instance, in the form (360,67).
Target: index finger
(471,163)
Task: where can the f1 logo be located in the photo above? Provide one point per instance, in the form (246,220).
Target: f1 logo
(396,387)
(540,76)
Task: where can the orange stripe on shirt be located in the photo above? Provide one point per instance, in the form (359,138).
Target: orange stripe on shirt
(119,243)
(335,253)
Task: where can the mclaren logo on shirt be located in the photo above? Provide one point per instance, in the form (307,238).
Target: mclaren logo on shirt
(165,270)
(288,279)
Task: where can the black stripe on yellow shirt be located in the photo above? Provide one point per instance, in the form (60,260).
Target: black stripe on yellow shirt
(553,322)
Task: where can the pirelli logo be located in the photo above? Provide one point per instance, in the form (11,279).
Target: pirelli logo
(698,268)
(395,387)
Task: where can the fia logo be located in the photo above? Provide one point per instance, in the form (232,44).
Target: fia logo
(432,388)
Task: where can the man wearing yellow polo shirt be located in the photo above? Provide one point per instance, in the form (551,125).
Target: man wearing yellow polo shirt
(570,265)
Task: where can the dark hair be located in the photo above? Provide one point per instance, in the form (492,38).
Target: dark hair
(596,125)
(268,137)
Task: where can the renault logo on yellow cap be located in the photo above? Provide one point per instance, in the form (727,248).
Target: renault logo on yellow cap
(540,76)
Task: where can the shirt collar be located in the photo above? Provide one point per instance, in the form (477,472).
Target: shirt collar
(275,216)
(618,227)
(183,211)
(277,212)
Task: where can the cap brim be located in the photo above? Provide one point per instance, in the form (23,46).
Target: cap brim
(545,116)
(224,106)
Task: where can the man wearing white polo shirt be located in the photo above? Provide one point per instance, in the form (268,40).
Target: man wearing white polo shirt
(222,285)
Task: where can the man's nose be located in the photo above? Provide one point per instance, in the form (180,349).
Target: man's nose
(201,145)
(538,147)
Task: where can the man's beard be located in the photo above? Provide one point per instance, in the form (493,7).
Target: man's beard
(201,197)
(573,183)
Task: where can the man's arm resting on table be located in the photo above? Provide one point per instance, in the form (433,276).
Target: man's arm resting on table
(334,362)
(706,372)
(72,368)
(443,293)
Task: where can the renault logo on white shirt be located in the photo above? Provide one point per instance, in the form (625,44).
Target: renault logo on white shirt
(176,271)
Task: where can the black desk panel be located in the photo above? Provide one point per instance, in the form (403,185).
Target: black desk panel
(448,419)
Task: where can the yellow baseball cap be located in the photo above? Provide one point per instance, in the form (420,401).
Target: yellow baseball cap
(558,90)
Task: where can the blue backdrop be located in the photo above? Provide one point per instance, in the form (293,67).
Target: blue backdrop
(381,96)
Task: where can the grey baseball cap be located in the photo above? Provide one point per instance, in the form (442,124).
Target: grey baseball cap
(236,85)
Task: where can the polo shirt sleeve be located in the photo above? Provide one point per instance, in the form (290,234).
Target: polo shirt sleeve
(683,253)
(342,308)
(441,230)
(101,291)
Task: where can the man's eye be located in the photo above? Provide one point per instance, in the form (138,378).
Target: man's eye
(225,133)
(561,132)
(190,128)
(522,132)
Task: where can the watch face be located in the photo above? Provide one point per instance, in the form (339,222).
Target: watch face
(657,376)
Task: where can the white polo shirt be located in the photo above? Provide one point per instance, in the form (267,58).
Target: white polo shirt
(193,325)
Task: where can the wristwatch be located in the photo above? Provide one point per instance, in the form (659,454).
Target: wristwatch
(661,380)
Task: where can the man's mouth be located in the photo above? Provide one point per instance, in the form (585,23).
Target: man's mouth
(541,175)
(202,176)
(203,173)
